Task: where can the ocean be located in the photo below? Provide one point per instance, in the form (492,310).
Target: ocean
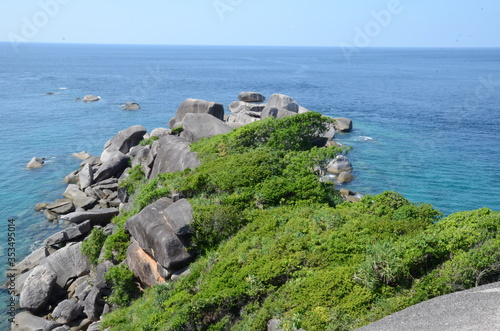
(426,121)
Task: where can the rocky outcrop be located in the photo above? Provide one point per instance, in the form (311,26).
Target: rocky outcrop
(58,278)
(196,106)
(161,229)
(36,162)
(173,154)
(131,106)
(198,126)
(91,98)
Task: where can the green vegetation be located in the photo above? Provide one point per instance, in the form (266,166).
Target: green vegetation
(275,242)
(149,141)
(92,246)
(122,280)
(177,131)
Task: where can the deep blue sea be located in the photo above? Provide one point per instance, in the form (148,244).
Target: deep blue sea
(426,121)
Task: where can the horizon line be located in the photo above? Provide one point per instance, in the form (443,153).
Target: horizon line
(233,45)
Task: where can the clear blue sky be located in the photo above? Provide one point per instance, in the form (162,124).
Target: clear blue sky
(418,23)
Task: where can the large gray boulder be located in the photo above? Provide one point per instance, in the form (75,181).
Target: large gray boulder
(280,105)
(155,228)
(143,265)
(173,154)
(251,97)
(339,164)
(24,321)
(252,109)
(96,217)
(475,309)
(114,163)
(67,311)
(68,263)
(198,126)
(123,141)
(196,106)
(37,289)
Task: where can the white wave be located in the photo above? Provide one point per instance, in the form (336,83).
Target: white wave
(63,88)
(365,138)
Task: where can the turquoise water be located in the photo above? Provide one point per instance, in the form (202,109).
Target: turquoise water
(426,121)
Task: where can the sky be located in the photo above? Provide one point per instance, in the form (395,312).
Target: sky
(341,23)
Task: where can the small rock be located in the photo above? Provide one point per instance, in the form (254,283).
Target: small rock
(131,106)
(36,162)
(51,216)
(82,155)
(40,206)
(91,98)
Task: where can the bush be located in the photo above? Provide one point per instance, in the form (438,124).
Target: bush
(149,141)
(122,282)
(93,244)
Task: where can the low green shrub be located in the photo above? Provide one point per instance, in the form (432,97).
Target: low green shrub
(123,285)
(93,244)
(149,141)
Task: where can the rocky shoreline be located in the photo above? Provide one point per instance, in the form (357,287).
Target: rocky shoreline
(59,288)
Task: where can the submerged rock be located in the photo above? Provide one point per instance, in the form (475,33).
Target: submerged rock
(36,162)
(91,98)
(131,106)
(82,155)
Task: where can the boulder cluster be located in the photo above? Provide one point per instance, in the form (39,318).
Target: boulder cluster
(59,288)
